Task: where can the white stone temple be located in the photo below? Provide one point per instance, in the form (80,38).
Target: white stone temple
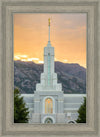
(49,104)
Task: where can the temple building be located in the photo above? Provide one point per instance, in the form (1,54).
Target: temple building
(49,104)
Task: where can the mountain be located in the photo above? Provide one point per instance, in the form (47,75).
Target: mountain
(72,76)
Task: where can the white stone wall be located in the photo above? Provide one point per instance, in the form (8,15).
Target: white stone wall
(72,103)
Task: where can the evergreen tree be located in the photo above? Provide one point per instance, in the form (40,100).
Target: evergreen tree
(20,110)
(82,113)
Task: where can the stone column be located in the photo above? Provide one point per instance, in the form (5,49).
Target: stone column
(36,106)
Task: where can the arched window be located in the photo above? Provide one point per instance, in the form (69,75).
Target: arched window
(71,122)
(48,106)
(48,121)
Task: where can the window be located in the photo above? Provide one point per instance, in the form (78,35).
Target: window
(48,106)
(48,121)
(49,69)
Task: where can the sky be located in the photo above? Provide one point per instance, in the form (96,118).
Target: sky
(67,36)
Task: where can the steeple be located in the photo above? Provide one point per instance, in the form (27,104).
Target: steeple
(49,77)
(49,28)
(49,44)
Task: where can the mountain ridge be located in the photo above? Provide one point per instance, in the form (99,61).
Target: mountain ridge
(72,76)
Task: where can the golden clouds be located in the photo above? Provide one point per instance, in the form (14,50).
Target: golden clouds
(27,58)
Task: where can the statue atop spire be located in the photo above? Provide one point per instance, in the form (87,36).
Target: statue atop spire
(49,21)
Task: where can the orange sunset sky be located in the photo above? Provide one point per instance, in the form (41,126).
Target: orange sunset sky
(68,37)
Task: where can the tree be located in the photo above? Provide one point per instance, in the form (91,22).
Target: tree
(82,113)
(20,110)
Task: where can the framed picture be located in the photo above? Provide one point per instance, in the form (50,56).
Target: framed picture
(49,68)
(53,87)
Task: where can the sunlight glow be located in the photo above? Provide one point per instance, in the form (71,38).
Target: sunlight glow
(67,36)
(65,60)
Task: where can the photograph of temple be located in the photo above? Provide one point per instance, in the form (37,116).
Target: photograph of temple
(50,68)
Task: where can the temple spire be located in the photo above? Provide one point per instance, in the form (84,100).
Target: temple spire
(49,28)
(49,44)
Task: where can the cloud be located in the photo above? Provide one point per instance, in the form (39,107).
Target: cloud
(32,59)
(65,60)
(16,57)
(23,60)
(20,56)
(40,62)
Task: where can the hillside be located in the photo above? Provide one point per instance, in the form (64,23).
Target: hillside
(72,76)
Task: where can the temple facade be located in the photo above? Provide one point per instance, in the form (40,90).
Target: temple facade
(48,97)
